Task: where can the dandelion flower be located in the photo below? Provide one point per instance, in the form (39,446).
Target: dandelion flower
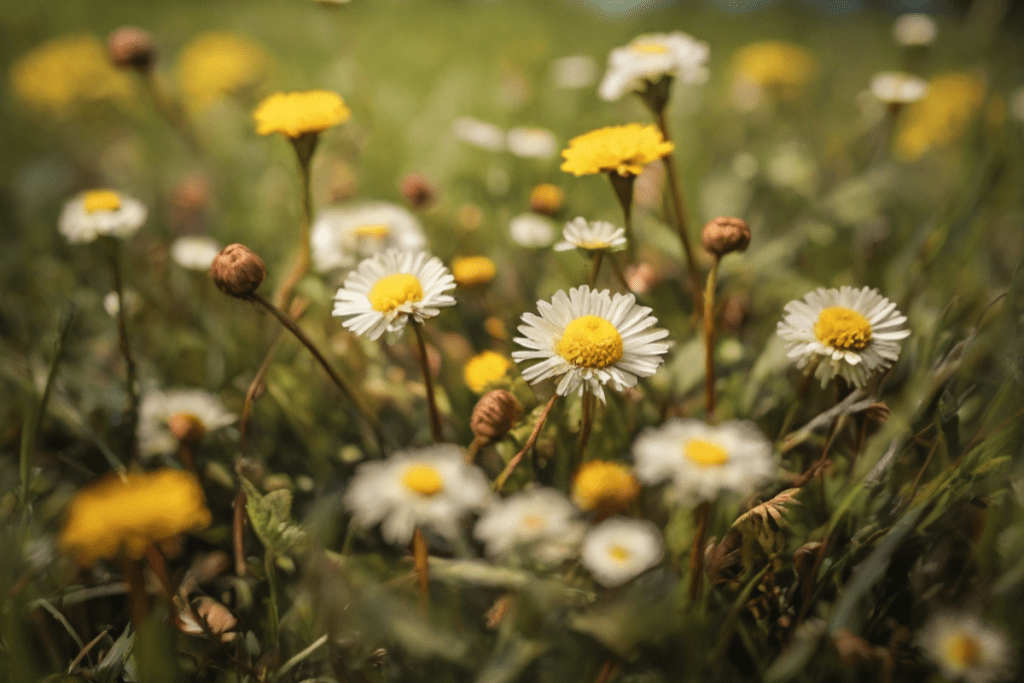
(101,212)
(618,550)
(344,235)
(541,521)
(427,487)
(547,199)
(168,417)
(897,87)
(479,133)
(485,369)
(531,231)
(217,64)
(649,58)
(303,112)
(531,143)
(473,271)
(621,149)
(195,252)
(849,333)
(946,111)
(130,512)
(592,236)
(385,290)
(590,338)
(966,649)
(604,487)
(702,461)
(774,63)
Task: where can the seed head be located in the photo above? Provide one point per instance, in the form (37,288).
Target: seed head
(130,47)
(494,414)
(724,235)
(238,271)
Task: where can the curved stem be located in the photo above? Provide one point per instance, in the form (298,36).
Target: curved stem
(126,349)
(709,340)
(503,477)
(435,417)
(675,191)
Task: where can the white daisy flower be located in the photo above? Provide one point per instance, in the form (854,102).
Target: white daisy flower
(914,29)
(195,252)
(531,231)
(479,133)
(591,235)
(897,87)
(531,143)
(169,417)
(101,212)
(132,303)
(426,487)
(649,58)
(620,549)
(590,338)
(385,290)
(344,235)
(541,521)
(573,72)
(845,332)
(966,649)
(701,461)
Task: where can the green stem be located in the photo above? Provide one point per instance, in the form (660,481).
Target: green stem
(170,109)
(435,417)
(675,191)
(623,186)
(700,516)
(304,147)
(126,350)
(272,613)
(595,267)
(586,423)
(709,340)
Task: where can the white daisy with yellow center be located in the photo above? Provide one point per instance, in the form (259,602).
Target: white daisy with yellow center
(429,487)
(965,649)
(619,549)
(898,87)
(589,339)
(384,291)
(592,236)
(845,332)
(101,212)
(540,521)
(195,252)
(649,58)
(342,236)
(701,461)
(168,417)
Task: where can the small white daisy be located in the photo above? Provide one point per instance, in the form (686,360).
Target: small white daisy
(531,143)
(169,417)
(897,87)
(701,461)
(541,521)
(101,212)
(573,72)
(649,58)
(620,549)
(344,235)
(132,303)
(479,133)
(966,649)
(591,235)
(195,252)
(590,338)
(385,290)
(531,231)
(914,29)
(845,332)
(427,487)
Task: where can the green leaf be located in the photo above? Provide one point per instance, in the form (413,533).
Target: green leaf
(115,660)
(270,515)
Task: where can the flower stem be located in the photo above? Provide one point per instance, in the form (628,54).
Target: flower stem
(304,154)
(156,562)
(503,477)
(623,186)
(272,613)
(595,267)
(421,560)
(126,350)
(675,190)
(709,341)
(700,517)
(435,417)
(171,110)
(586,424)
(138,599)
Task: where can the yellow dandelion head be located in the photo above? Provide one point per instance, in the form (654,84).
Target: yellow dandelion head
(217,64)
(495,327)
(485,369)
(547,198)
(604,486)
(621,149)
(131,513)
(774,63)
(473,271)
(942,115)
(293,114)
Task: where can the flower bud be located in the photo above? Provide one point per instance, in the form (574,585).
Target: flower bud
(418,191)
(238,271)
(494,414)
(129,47)
(186,428)
(723,235)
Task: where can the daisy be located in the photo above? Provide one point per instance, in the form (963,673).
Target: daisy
(912,30)
(531,143)
(385,290)
(195,252)
(849,333)
(649,58)
(619,549)
(591,235)
(966,649)
(573,72)
(427,487)
(168,417)
(541,521)
(132,303)
(479,133)
(701,461)
(344,235)
(531,231)
(101,212)
(590,338)
(897,87)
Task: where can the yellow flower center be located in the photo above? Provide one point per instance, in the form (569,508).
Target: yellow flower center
(392,291)
(423,479)
(470,271)
(592,244)
(590,342)
(962,650)
(484,369)
(842,328)
(533,523)
(605,486)
(377,231)
(618,553)
(102,200)
(705,453)
(648,48)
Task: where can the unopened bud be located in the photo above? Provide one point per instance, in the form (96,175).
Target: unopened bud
(418,191)
(724,235)
(238,271)
(494,414)
(129,47)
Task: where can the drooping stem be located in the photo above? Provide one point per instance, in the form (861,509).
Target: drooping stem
(623,186)
(126,349)
(435,417)
(709,340)
(595,267)
(421,560)
(503,477)
(700,517)
(675,191)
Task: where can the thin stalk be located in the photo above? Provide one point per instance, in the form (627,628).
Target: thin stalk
(700,516)
(238,532)
(138,599)
(623,186)
(435,417)
(595,267)
(272,613)
(675,190)
(156,561)
(126,349)
(503,477)
(709,340)
(421,560)
(586,424)
(250,394)
(304,154)
(170,109)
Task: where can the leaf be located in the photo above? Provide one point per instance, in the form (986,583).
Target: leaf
(114,662)
(763,524)
(510,659)
(270,515)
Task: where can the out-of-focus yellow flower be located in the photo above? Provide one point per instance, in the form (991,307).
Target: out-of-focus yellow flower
(547,199)
(622,149)
(65,73)
(217,64)
(484,369)
(944,114)
(774,63)
(293,114)
(130,513)
(605,487)
(473,271)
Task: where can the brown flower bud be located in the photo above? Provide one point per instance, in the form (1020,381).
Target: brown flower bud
(418,191)
(724,235)
(494,414)
(186,428)
(129,47)
(238,271)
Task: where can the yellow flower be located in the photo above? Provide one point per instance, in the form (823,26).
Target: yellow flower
(774,63)
(484,369)
(472,271)
(604,486)
(65,73)
(622,149)
(294,114)
(950,105)
(547,199)
(131,513)
(217,64)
